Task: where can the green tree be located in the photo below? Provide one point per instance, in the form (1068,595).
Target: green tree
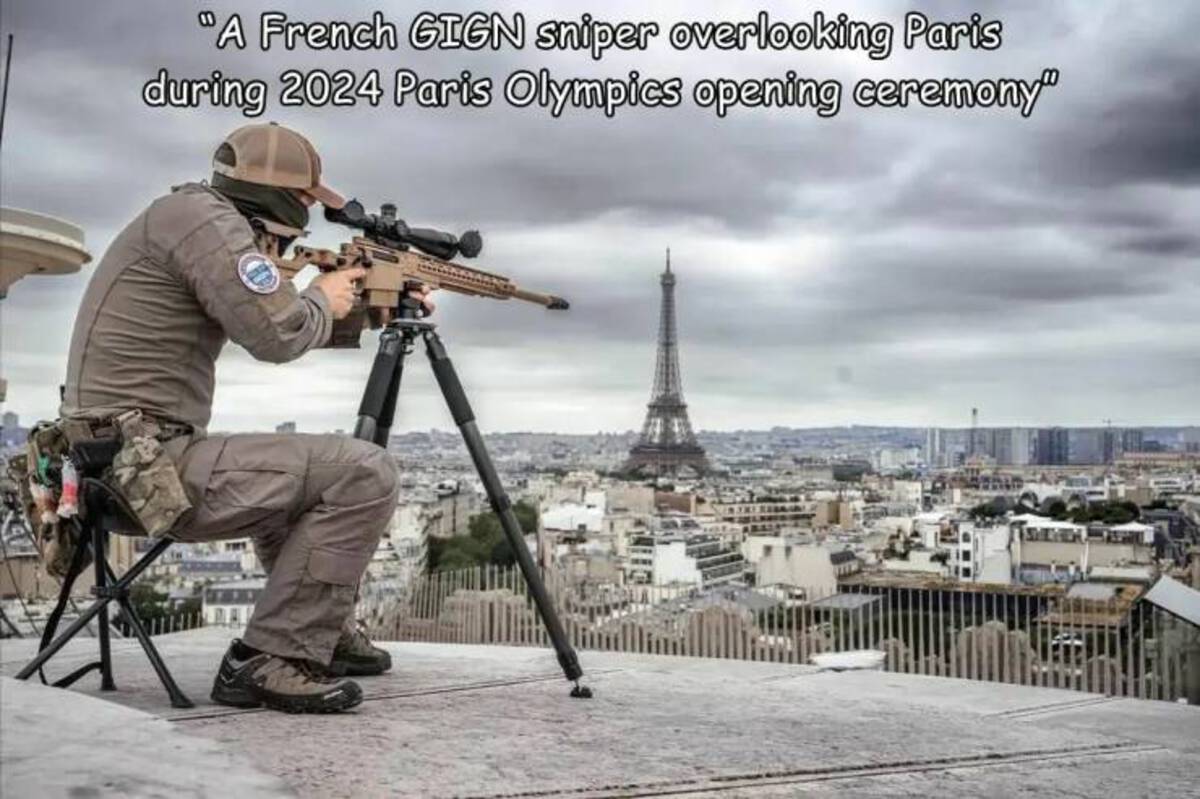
(1057,510)
(153,607)
(1121,512)
(484,544)
(986,510)
(148,602)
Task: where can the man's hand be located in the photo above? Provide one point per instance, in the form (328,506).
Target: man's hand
(338,287)
(422,296)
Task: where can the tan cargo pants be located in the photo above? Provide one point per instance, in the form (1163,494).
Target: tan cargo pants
(315,507)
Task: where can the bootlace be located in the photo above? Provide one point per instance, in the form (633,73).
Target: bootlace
(312,671)
(357,637)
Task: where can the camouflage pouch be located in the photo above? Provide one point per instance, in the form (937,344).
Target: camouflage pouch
(39,481)
(60,542)
(145,476)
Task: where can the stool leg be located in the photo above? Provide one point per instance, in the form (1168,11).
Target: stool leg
(100,606)
(99,556)
(178,699)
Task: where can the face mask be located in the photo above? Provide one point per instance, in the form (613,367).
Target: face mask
(270,244)
(267,202)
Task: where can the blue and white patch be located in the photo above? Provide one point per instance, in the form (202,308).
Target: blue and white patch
(258,273)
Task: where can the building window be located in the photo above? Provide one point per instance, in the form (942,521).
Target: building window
(966,538)
(219,615)
(233,615)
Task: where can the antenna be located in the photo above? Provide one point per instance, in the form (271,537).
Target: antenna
(4,98)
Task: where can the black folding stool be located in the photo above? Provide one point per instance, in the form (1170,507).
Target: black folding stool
(104,512)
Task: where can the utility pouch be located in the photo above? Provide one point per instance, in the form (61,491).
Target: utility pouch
(41,491)
(145,476)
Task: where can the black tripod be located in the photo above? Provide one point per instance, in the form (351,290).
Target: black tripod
(378,410)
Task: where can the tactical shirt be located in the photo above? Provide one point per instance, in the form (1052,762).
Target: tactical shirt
(181,279)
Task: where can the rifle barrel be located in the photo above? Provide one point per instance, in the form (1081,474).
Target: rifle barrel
(549,300)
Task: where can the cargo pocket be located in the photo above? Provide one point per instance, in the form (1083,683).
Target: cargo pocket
(334,575)
(336,568)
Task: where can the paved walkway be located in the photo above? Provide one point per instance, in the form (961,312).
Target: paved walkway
(497,721)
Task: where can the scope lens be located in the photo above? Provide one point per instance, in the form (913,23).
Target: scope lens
(471,244)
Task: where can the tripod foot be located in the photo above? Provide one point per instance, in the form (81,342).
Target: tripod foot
(581,692)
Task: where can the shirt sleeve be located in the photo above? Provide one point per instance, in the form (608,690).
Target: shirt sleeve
(244,292)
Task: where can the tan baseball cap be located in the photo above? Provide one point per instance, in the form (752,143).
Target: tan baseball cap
(273,155)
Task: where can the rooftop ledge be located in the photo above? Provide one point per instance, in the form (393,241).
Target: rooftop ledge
(486,721)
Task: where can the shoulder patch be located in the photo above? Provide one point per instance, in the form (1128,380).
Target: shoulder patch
(258,273)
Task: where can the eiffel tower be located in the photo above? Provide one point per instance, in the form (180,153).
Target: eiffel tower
(667,445)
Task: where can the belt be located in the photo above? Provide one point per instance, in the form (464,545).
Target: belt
(169,430)
(166,430)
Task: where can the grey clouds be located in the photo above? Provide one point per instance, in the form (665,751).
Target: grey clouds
(882,266)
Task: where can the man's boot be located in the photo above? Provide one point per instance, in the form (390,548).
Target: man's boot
(356,656)
(249,678)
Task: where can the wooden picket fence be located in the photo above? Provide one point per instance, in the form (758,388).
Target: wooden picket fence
(173,623)
(1113,647)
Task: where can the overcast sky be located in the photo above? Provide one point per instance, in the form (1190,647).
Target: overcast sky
(894,267)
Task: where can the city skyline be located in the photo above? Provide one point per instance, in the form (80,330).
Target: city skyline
(887,268)
(292,425)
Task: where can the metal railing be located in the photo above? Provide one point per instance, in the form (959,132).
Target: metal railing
(1110,646)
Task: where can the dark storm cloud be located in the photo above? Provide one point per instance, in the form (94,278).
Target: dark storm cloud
(1148,134)
(1164,244)
(901,248)
(966,195)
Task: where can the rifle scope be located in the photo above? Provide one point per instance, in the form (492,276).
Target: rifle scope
(387,229)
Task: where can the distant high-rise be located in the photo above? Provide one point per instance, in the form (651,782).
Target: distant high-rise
(935,447)
(285,427)
(11,434)
(972,442)
(1087,445)
(1110,445)
(1053,446)
(1132,440)
(667,445)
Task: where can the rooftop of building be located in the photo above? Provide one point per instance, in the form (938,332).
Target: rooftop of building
(1125,591)
(231,563)
(455,720)
(252,582)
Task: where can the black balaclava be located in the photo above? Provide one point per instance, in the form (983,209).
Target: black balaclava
(255,200)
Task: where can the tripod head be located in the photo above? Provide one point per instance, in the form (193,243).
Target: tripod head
(388,230)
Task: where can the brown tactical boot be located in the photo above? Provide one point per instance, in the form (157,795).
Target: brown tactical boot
(249,678)
(356,656)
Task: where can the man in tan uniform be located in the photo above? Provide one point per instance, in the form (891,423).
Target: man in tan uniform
(188,274)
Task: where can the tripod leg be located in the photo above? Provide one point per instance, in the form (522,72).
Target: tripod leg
(378,406)
(464,418)
(99,557)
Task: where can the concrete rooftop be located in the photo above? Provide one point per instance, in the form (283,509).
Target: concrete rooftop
(493,721)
